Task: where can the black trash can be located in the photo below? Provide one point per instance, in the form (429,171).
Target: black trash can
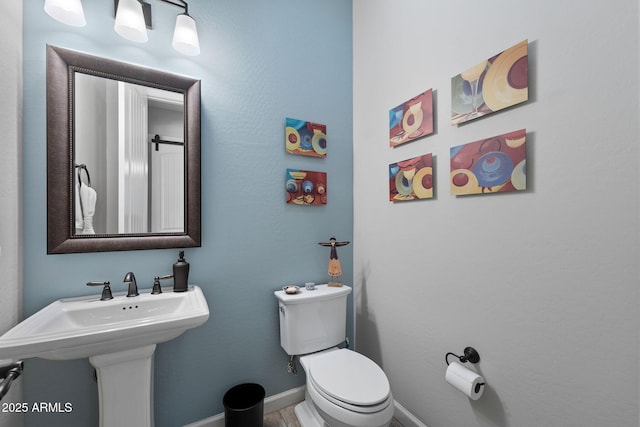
(244,406)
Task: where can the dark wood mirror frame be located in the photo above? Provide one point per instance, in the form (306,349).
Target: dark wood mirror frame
(61,66)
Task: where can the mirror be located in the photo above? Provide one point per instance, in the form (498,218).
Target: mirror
(123,156)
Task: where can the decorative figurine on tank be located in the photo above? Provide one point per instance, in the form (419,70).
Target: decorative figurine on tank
(335,270)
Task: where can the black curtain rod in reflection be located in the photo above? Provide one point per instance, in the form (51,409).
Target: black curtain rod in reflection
(156,140)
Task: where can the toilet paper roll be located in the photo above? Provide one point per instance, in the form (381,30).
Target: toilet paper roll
(465,380)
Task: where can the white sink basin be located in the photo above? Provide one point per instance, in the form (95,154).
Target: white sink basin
(119,337)
(76,328)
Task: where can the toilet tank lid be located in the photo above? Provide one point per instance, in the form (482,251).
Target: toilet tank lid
(321,292)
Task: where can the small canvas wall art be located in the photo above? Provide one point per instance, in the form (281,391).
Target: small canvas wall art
(305,138)
(306,187)
(411,179)
(492,165)
(411,120)
(491,85)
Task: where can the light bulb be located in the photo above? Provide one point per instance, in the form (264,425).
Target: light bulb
(68,12)
(130,21)
(185,36)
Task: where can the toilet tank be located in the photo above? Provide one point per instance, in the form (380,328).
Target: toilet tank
(312,320)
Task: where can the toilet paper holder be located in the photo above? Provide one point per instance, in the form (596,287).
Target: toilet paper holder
(470,355)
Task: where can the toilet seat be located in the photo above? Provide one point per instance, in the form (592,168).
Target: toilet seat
(349,380)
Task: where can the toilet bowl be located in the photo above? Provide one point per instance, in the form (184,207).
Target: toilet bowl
(344,389)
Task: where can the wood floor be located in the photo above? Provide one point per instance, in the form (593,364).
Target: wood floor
(287,418)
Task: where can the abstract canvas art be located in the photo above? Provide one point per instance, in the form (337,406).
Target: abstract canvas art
(491,85)
(493,165)
(411,179)
(412,119)
(305,138)
(306,187)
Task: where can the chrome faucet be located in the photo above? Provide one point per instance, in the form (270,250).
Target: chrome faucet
(133,286)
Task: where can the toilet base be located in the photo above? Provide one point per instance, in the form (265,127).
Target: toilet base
(308,416)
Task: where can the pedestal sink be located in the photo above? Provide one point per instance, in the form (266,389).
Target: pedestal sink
(119,337)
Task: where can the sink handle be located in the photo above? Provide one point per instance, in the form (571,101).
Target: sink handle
(106,291)
(156,283)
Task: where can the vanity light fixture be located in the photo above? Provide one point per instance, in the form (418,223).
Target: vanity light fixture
(68,12)
(134,16)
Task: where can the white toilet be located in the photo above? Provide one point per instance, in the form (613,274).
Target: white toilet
(344,388)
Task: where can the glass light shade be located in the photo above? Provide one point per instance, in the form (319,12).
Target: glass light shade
(130,21)
(185,36)
(68,12)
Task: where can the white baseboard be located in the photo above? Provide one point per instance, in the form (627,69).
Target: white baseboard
(284,399)
(271,403)
(406,418)
(295,395)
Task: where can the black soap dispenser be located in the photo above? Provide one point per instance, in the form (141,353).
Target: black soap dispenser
(180,274)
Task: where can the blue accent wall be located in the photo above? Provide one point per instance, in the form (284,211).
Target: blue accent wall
(261,62)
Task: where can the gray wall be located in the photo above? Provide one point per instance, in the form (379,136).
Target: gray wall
(543,283)
(11,183)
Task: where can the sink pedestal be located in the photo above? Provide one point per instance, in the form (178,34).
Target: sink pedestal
(118,336)
(125,387)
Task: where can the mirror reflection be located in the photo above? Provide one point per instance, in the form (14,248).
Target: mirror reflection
(128,156)
(123,156)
